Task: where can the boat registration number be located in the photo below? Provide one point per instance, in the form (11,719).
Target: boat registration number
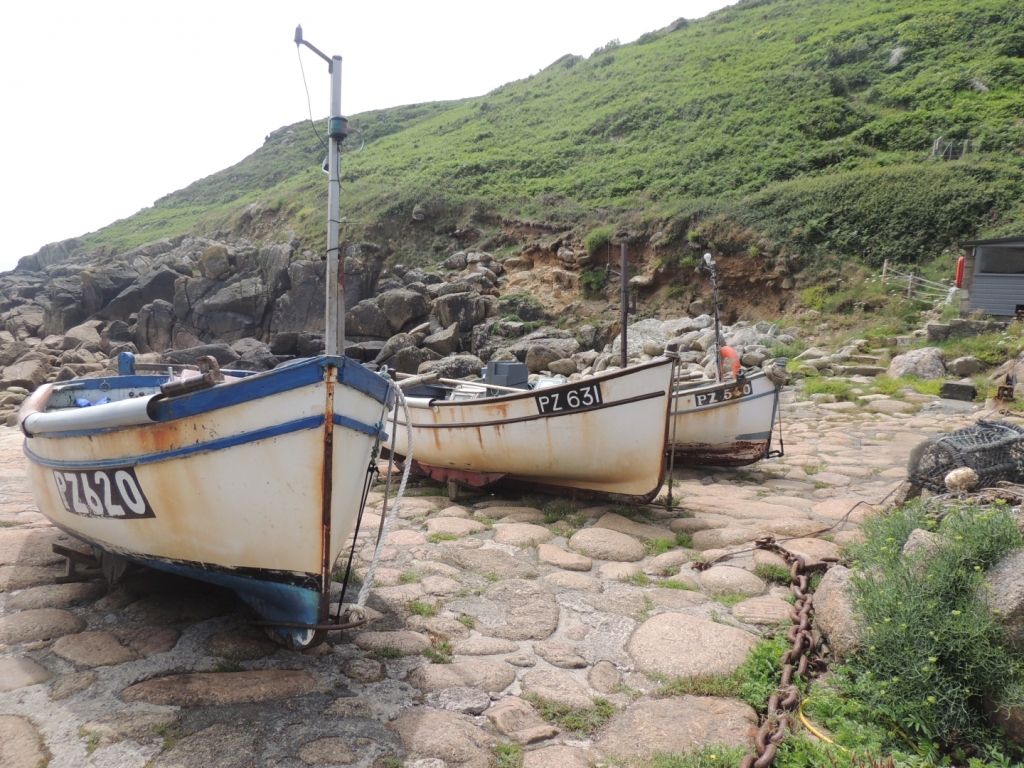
(573,399)
(113,493)
(723,394)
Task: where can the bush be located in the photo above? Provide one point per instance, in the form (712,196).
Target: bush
(933,653)
(592,282)
(598,239)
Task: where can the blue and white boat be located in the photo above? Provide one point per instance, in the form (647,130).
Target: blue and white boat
(250,481)
(253,483)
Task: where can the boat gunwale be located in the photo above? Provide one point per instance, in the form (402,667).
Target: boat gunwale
(501,399)
(533,417)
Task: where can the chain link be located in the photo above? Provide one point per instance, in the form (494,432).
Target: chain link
(786,700)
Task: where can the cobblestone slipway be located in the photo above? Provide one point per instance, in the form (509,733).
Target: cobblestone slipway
(164,672)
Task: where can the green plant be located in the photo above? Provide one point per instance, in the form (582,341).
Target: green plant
(559,510)
(92,740)
(658,546)
(772,573)
(508,756)
(677,584)
(640,579)
(837,387)
(409,577)
(593,282)
(422,609)
(390,762)
(492,577)
(684,540)
(437,538)
(932,653)
(581,720)
(170,733)
(713,756)
(730,600)
(389,652)
(598,238)
(440,651)
(467,620)
(228,665)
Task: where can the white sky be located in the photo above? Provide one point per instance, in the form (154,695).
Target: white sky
(108,105)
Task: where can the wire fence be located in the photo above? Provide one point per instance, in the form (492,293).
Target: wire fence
(917,287)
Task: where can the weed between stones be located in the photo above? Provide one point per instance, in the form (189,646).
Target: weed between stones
(658,546)
(228,665)
(409,577)
(772,573)
(468,621)
(422,609)
(730,600)
(579,721)
(440,653)
(388,652)
(684,540)
(754,681)
(676,584)
(713,756)
(170,733)
(508,756)
(638,580)
(437,538)
(92,740)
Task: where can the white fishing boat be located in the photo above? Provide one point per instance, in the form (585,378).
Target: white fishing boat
(249,481)
(725,424)
(605,434)
(252,483)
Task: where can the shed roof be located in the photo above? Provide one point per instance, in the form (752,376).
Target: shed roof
(995,241)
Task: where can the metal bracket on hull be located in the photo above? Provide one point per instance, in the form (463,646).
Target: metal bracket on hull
(74,558)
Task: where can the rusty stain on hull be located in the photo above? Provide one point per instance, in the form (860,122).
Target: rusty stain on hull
(736,454)
(326,500)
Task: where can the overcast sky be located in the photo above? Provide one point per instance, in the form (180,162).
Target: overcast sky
(109,105)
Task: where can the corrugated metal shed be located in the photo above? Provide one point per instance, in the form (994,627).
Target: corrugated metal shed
(994,276)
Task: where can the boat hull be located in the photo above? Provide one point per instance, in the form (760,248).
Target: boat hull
(726,425)
(252,485)
(612,443)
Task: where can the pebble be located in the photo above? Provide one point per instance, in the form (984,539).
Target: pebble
(677,645)
(606,544)
(41,624)
(213,689)
(521,534)
(20,672)
(453,526)
(557,688)
(728,580)
(476,673)
(560,558)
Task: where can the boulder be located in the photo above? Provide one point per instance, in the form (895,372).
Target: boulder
(833,612)
(924,363)
(444,342)
(677,645)
(214,263)
(1004,593)
(29,373)
(87,333)
(454,367)
(401,306)
(964,366)
(466,309)
(542,353)
(564,367)
(367,319)
(154,328)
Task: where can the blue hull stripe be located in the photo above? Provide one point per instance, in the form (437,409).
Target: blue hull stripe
(358,426)
(281,379)
(755,436)
(310,422)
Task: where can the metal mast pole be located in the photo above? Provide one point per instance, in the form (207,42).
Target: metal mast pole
(335,316)
(624,300)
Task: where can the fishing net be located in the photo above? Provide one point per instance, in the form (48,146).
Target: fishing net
(993,449)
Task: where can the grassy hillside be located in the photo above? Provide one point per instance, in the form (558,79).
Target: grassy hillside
(788,128)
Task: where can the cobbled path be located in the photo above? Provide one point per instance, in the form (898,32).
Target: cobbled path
(481,610)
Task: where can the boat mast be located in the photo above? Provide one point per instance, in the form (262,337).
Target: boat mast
(337,130)
(713,268)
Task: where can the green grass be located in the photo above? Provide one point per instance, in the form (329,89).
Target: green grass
(638,580)
(437,538)
(389,652)
(508,756)
(658,546)
(170,733)
(92,740)
(684,540)
(754,681)
(422,609)
(579,721)
(730,600)
(409,577)
(837,387)
(677,584)
(773,574)
(228,665)
(713,756)
(440,651)
(887,385)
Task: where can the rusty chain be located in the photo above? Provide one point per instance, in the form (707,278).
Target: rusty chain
(786,700)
